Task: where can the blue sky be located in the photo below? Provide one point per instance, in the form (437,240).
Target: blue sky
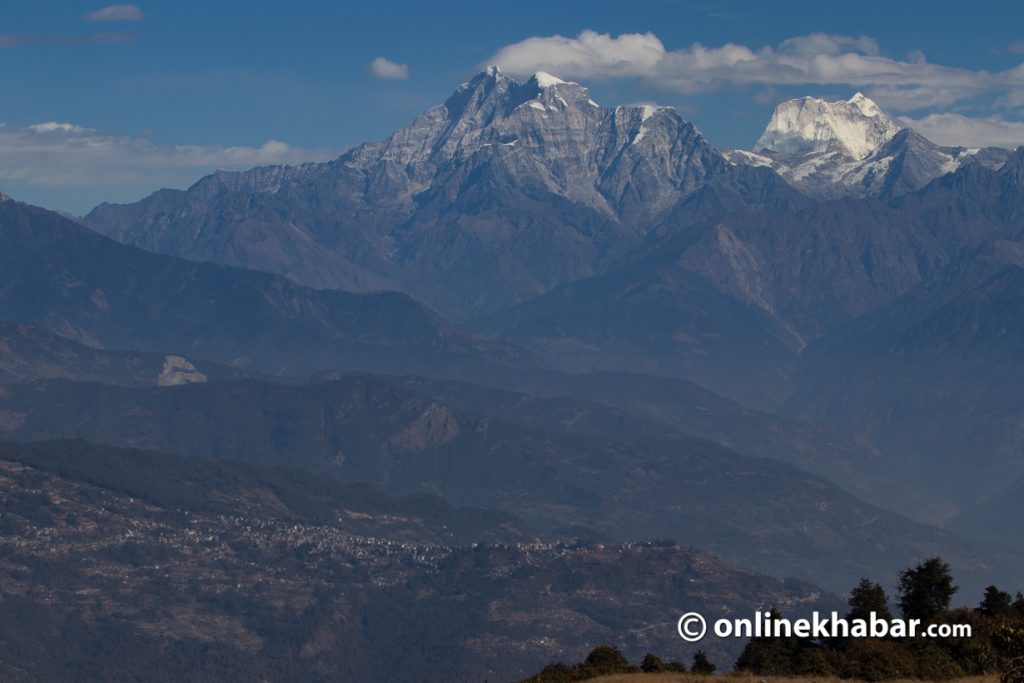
(158,93)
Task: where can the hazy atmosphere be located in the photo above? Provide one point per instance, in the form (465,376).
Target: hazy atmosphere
(532,343)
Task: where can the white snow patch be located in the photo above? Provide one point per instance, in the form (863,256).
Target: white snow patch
(537,105)
(855,173)
(866,105)
(950,164)
(742,156)
(178,371)
(592,103)
(546,80)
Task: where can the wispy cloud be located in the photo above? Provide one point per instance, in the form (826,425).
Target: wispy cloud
(59,154)
(108,13)
(8,41)
(127,12)
(388,70)
(956,130)
(815,59)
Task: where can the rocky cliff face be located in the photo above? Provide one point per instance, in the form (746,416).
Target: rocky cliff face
(550,136)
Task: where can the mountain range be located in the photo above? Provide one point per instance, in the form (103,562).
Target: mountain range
(522,320)
(739,297)
(610,239)
(503,192)
(509,189)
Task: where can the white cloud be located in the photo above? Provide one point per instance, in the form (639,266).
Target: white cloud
(58,154)
(588,55)
(54,126)
(388,70)
(955,130)
(116,13)
(816,59)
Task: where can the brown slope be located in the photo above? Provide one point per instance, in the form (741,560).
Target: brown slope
(129,565)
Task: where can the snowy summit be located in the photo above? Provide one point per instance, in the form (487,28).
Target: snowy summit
(855,128)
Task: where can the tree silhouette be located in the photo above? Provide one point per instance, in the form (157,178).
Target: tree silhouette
(996,603)
(701,665)
(652,664)
(605,659)
(926,590)
(868,597)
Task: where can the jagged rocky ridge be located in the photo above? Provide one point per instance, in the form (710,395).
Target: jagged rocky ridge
(510,189)
(503,192)
(732,302)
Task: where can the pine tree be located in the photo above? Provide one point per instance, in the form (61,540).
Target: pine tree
(604,660)
(926,590)
(868,597)
(701,665)
(996,603)
(652,664)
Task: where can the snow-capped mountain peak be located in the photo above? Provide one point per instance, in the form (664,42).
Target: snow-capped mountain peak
(866,105)
(552,93)
(806,126)
(852,148)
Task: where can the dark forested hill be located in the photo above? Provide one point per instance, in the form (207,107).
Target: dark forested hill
(28,353)
(616,406)
(71,281)
(934,378)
